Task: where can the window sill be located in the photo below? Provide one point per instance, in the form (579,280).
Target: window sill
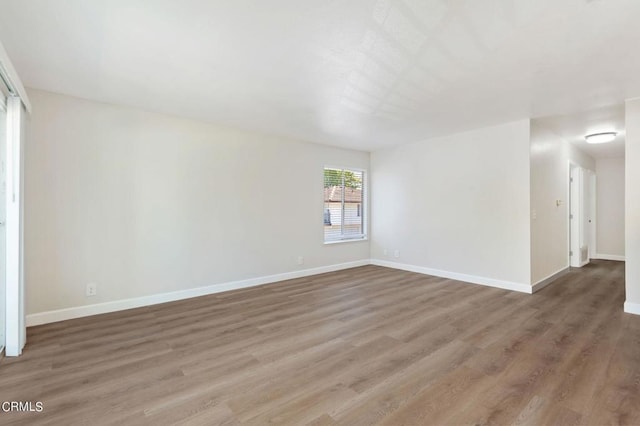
(347,240)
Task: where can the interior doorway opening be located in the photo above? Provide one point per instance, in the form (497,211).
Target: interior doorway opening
(582,215)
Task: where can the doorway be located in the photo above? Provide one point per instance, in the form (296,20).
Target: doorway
(582,215)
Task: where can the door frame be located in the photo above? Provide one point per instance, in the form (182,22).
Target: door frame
(16,331)
(580,179)
(573,223)
(18,108)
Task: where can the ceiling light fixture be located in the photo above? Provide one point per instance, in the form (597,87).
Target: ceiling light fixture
(601,137)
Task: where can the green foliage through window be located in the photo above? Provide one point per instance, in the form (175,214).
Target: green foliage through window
(334,177)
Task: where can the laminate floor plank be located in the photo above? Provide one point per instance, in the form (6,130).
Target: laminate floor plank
(367,345)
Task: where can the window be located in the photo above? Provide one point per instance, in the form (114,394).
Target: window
(343,204)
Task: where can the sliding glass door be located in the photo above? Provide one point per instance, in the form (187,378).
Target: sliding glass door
(3,215)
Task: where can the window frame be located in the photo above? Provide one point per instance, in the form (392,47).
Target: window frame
(363,236)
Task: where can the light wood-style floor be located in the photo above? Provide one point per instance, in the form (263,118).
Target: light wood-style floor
(364,346)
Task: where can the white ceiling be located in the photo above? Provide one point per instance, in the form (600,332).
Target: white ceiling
(362,74)
(574,127)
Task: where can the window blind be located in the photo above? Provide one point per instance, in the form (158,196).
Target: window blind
(344,211)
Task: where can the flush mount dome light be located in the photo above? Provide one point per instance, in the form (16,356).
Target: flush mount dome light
(600,137)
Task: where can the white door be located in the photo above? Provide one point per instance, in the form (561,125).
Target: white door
(3,211)
(592,216)
(585,217)
(574,216)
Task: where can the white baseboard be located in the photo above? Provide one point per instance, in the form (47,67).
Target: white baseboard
(632,308)
(119,305)
(609,257)
(507,285)
(137,302)
(548,280)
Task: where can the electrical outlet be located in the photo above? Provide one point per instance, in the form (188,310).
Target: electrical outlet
(300,260)
(385,252)
(92,289)
(396,253)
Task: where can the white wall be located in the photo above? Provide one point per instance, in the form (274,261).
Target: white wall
(456,204)
(632,205)
(144,203)
(610,208)
(550,156)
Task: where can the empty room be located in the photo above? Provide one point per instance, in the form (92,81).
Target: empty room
(358,212)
